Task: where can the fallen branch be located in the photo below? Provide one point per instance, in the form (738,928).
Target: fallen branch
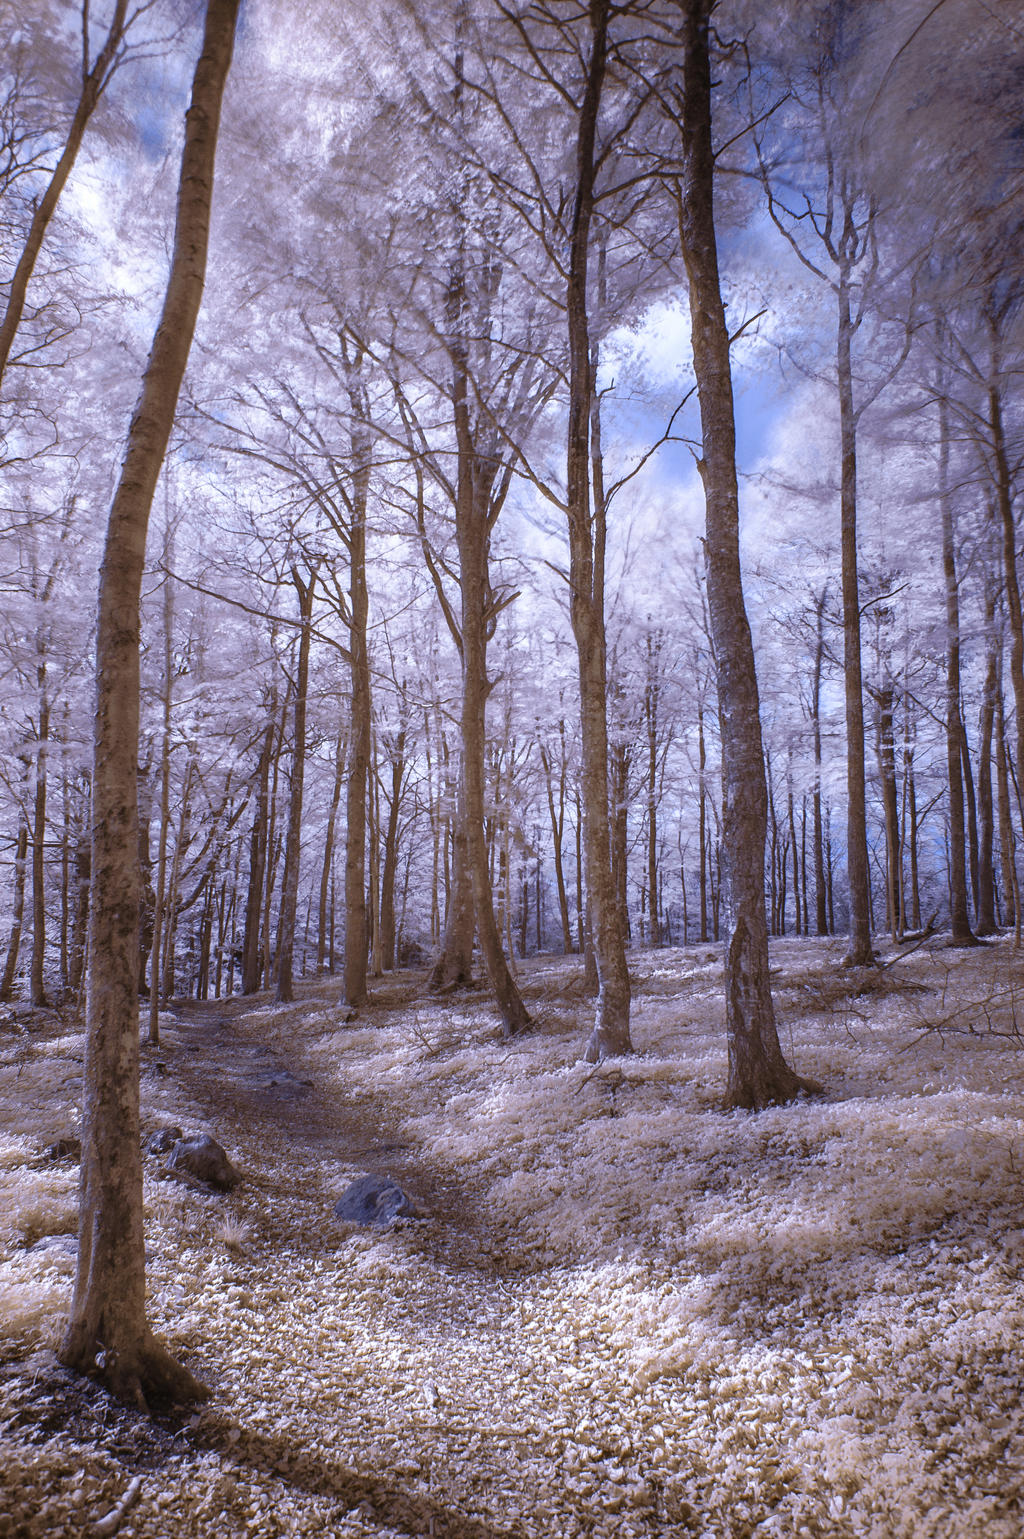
(115,1517)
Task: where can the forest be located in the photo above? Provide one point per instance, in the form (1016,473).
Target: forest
(510,519)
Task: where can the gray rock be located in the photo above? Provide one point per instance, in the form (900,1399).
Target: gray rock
(376,1201)
(163,1140)
(202,1157)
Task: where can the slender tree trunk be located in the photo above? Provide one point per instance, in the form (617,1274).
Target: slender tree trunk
(108,1332)
(167,699)
(164,968)
(473,519)
(557,816)
(820,906)
(1007,851)
(327,869)
(252,959)
(986,924)
(1008,527)
(389,868)
(37,982)
(357,939)
(959,915)
(702,821)
(18,915)
(586,521)
(796,863)
(651,703)
(861,952)
(758,1074)
(971,803)
(373,875)
(619,820)
(288,916)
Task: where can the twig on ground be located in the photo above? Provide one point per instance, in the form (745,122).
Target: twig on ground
(111,1522)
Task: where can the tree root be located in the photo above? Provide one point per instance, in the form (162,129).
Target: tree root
(146,1377)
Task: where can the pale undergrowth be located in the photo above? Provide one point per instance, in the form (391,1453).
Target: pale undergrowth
(630,1314)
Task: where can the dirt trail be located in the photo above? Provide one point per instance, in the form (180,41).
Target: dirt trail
(259,1100)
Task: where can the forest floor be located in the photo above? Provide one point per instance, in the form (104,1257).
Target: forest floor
(628,1313)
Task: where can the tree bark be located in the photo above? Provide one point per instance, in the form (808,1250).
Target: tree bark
(389,865)
(37,981)
(1007,850)
(323,947)
(108,1332)
(820,908)
(758,1074)
(860,953)
(18,915)
(357,787)
(557,816)
(288,916)
(454,965)
(477,503)
(252,957)
(1008,526)
(886,752)
(986,918)
(586,521)
(959,915)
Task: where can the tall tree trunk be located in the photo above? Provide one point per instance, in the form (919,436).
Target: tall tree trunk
(357,787)
(618,790)
(476,507)
(252,957)
(108,1332)
(861,952)
(557,816)
(1007,851)
(1008,527)
(166,702)
(758,1074)
(702,820)
(37,982)
(18,914)
(820,907)
(389,867)
(327,868)
(165,969)
(454,965)
(958,911)
(586,522)
(986,920)
(305,588)
(886,751)
(796,860)
(651,704)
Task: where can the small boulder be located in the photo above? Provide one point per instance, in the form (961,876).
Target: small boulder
(202,1157)
(163,1140)
(376,1201)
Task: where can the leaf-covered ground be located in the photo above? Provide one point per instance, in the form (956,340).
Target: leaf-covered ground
(629,1313)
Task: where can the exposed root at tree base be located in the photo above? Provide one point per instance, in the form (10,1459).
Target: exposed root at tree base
(147,1378)
(777,1092)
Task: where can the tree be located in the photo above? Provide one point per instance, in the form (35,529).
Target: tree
(95,77)
(108,1332)
(758,1074)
